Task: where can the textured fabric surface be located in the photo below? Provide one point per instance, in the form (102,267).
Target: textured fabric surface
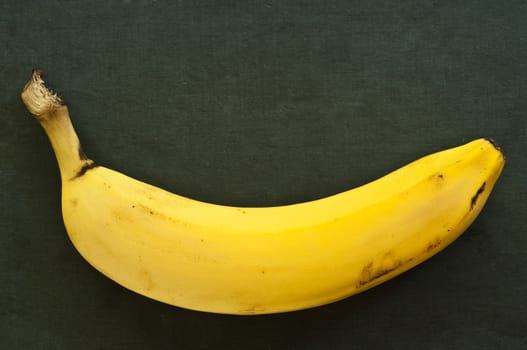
(263,103)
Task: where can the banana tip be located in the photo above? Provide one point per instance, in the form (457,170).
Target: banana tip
(494,143)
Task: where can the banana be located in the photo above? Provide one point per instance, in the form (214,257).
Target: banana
(260,260)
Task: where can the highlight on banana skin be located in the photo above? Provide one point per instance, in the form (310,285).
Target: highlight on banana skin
(261,260)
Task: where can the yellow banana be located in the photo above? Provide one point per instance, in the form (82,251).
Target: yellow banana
(238,260)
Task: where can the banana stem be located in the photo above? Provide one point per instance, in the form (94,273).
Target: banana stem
(52,114)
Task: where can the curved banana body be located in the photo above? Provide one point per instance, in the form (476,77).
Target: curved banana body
(238,260)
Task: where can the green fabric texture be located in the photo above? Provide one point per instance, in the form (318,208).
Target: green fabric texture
(263,103)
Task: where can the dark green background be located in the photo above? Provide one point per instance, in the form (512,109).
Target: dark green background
(264,103)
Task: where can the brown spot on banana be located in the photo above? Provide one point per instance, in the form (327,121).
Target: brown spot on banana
(371,273)
(85,167)
(87,163)
(433,245)
(437,179)
(475,197)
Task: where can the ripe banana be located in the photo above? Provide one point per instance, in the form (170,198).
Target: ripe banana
(247,260)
